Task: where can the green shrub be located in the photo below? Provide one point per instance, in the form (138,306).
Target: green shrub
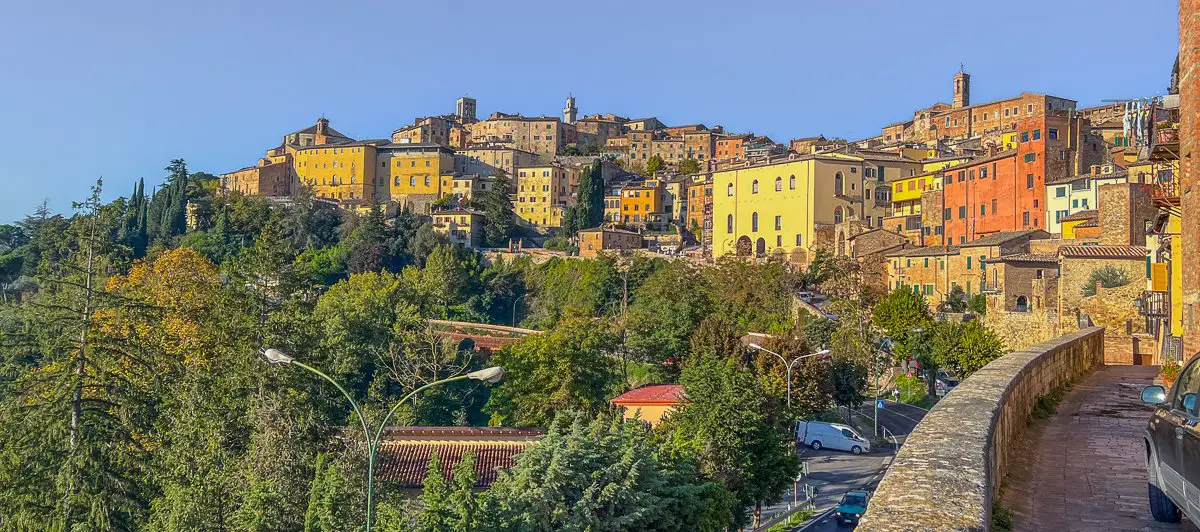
(1108,277)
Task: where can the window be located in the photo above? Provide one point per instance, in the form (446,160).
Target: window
(1058,216)
(729,190)
(1052,134)
(983,173)
(778,184)
(962,212)
(1029,181)
(946,213)
(778,241)
(426,180)
(837,184)
(1035,203)
(994,206)
(983,210)
(798,239)
(1060,192)
(969,263)
(754,187)
(412,181)
(926,262)
(792,183)
(1037,134)
(962,239)
(754,222)
(1025,218)
(729,223)
(1024,136)
(962,176)
(778,223)
(971,175)
(1039,274)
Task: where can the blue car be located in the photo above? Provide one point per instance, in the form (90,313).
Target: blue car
(852,507)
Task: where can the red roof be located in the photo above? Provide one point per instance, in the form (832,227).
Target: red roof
(654,394)
(1107,252)
(406,464)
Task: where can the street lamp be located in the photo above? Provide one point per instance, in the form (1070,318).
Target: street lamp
(490,375)
(788,365)
(514,312)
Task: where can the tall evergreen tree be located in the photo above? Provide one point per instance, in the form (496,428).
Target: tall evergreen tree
(498,211)
(435,498)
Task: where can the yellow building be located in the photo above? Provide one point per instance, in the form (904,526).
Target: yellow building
(543,192)
(491,160)
(344,172)
(416,174)
(461,226)
(781,206)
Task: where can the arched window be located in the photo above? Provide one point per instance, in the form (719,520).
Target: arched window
(397,180)
(792,183)
(754,222)
(837,215)
(729,224)
(334,178)
(837,184)
(754,187)
(778,184)
(729,190)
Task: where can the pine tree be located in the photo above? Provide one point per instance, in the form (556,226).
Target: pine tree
(435,498)
(462,498)
(498,211)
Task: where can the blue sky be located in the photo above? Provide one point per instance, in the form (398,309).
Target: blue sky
(117,89)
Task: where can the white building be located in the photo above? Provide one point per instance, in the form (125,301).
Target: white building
(1069,195)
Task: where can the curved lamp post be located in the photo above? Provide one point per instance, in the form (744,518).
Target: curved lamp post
(490,375)
(788,365)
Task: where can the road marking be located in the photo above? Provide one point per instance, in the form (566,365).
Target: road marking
(816,520)
(905,404)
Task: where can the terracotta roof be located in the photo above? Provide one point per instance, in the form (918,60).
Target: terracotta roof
(1082,215)
(1092,222)
(1002,237)
(406,464)
(653,394)
(1027,257)
(1104,252)
(1115,174)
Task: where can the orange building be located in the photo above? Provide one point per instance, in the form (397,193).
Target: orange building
(730,147)
(593,241)
(650,403)
(642,203)
(983,197)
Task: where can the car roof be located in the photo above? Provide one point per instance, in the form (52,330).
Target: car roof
(859,492)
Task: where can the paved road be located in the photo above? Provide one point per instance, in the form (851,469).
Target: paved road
(1085,465)
(836,472)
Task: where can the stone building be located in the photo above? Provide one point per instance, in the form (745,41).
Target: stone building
(1080,262)
(594,241)
(543,135)
(1189,168)
(490,159)
(542,193)
(1022,282)
(431,130)
(939,271)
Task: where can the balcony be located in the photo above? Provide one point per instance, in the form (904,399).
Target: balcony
(1165,191)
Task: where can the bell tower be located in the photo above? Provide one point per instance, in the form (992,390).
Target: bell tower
(570,112)
(962,88)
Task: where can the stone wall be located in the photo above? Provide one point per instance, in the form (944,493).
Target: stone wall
(951,466)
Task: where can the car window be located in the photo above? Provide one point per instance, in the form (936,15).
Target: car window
(847,433)
(854,500)
(1183,393)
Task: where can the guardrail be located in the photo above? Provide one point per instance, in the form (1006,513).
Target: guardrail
(949,470)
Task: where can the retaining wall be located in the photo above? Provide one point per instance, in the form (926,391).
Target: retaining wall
(951,466)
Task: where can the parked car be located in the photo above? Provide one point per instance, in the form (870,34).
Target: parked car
(1173,447)
(852,507)
(945,382)
(819,434)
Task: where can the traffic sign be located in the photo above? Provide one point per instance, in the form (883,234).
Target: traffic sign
(879,404)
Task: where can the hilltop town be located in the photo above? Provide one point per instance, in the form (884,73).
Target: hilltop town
(1016,209)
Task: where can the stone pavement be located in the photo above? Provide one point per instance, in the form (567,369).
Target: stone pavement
(1084,467)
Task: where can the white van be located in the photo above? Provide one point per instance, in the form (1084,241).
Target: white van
(819,434)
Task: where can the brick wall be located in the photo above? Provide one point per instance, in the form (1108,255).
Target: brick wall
(1124,210)
(952,465)
(1189,92)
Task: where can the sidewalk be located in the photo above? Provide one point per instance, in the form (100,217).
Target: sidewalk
(1085,468)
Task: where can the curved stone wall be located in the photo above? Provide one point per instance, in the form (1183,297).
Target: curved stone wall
(951,466)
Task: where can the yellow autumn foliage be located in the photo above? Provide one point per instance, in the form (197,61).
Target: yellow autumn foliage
(176,288)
